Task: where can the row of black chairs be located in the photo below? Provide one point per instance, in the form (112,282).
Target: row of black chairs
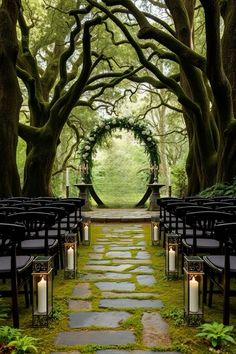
(29,228)
(206,228)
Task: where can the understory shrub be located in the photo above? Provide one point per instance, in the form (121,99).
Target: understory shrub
(220,189)
(216,334)
(12,341)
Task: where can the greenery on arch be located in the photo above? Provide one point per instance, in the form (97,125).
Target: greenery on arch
(141,132)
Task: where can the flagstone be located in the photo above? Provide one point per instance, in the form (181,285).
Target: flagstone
(147,280)
(108,275)
(125,248)
(100,261)
(133,261)
(108,337)
(98,248)
(143,255)
(111,319)
(141,243)
(142,269)
(125,286)
(110,294)
(130,303)
(96,255)
(155,330)
(77,305)
(124,254)
(82,290)
(117,268)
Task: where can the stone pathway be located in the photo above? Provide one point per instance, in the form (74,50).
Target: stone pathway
(108,296)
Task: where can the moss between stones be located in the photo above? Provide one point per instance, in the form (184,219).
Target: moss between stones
(170,293)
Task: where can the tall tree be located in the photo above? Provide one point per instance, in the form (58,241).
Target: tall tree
(66,79)
(205,89)
(10,98)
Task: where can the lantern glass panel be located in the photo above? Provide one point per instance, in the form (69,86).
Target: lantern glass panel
(155,233)
(193,289)
(70,255)
(86,230)
(42,277)
(172,255)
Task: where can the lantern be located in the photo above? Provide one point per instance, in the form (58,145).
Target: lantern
(193,289)
(86,232)
(42,290)
(70,256)
(172,255)
(155,232)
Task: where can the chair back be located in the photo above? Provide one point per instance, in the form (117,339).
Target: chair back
(216,204)
(207,219)
(34,222)
(10,235)
(228,209)
(180,214)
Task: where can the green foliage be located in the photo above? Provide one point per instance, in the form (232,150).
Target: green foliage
(220,189)
(180,181)
(176,314)
(141,132)
(121,172)
(4,309)
(11,341)
(7,334)
(217,334)
(57,313)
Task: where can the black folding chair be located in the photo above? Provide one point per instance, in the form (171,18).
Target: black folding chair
(220,269)
(14,267)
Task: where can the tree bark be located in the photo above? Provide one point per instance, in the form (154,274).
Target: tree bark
(10,100)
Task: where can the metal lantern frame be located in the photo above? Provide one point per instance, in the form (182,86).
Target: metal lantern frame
(42,277)
(193,289)
(155,232)
(172,255)
(70,256)
(86,232)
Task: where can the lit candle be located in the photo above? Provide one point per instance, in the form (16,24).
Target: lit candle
(67,177)
(70,258)
(155,233)
(193,295)
(171,260)
(86,234)
(42,295)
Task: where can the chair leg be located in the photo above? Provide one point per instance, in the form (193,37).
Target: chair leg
(15,311)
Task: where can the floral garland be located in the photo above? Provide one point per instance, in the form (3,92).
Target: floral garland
(141,133)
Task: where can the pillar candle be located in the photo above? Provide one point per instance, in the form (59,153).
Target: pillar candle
(155,233)
(42,295)
(193,295)
(70,258)
(171,260)
(67,177)
(86,234)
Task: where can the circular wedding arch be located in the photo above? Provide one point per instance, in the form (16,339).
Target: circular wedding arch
(106,127)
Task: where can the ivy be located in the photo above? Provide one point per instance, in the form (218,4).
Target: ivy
(141,132)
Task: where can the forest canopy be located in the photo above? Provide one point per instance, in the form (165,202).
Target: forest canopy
(66,65)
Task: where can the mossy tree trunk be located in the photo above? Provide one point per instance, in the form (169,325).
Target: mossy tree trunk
(10,99)
(48,118)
